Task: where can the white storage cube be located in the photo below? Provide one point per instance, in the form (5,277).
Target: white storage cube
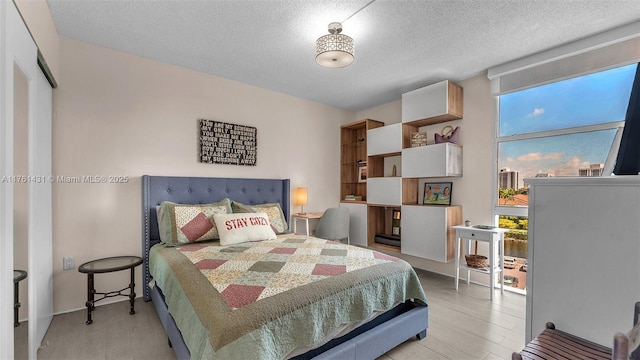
(426,102)
(436,160)
(384,191)
(426,231)
(384,140)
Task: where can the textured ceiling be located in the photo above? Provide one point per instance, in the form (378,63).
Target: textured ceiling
(400,45)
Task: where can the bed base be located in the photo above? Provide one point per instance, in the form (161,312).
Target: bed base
(368,345)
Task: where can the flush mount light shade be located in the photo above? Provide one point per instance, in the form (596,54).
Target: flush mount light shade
(334,50)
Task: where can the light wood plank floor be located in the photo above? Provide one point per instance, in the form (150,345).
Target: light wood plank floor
(462,325)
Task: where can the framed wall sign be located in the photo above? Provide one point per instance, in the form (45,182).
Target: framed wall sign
(225,143)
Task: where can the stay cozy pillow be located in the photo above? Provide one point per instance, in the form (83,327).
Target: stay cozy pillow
(243,227)
(186,223)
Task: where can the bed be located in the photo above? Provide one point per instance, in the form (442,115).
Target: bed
(367,335)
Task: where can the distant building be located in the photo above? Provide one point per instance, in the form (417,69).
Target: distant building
(508,178)
(544,175)
(592,170)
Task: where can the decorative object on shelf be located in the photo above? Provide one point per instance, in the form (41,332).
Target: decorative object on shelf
(302,198)
(395,223)
(485,227)
(467,223)
(419,139)
(475,260)
(394,171)
(437,193)
(353,197)
(225,143)
(362,174)
(334,50)
(448,134)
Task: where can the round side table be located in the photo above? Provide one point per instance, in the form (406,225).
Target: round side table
(18,275)
(107,265)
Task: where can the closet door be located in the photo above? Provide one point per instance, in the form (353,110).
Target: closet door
(18,59)
(40,216)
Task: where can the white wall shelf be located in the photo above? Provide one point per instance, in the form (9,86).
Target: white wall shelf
(438,160)
(432,104)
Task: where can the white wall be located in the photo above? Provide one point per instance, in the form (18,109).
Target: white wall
(119,114)
(474,189)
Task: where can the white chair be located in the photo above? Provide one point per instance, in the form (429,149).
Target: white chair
(334,225)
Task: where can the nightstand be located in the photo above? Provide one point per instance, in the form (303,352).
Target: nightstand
(304,217)
(493,236)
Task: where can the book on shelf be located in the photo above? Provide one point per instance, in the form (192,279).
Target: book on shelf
(353,197)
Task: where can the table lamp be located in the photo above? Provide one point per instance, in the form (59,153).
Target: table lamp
(301,198)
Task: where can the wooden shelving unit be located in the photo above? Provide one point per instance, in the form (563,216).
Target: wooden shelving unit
(353,155)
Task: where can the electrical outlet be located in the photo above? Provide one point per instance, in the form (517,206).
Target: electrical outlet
(68,263)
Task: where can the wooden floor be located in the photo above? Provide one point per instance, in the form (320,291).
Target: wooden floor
(463,324)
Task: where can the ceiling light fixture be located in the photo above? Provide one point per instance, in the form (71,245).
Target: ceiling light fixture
(336,50)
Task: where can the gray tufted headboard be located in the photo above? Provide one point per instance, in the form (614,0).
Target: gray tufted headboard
(199,190)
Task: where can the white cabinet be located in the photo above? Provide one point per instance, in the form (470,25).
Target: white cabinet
(583,250)
(436,160)
(384,191)
(385,140)
(432,104)
(427,231)
(357,224)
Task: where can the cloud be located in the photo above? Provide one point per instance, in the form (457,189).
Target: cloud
(539,156)
(530,157)
(554,156)
(536,112)
(570,168)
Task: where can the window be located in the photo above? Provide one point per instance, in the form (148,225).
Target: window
(565,128)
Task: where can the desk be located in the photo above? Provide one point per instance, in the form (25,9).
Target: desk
(18,275)
(304,217)
(107,265)
(494,236)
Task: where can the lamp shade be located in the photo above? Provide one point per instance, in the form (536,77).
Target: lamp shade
(334,50)
(301,196)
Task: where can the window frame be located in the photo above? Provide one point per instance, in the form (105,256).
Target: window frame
(518,210)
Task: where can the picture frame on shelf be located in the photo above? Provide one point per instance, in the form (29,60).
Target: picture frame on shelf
(362,174)
(437,193)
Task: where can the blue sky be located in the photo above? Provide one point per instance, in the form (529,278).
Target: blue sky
(592,99)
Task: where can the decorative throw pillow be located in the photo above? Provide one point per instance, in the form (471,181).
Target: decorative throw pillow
(273,211)
(243,227)
(186,223)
